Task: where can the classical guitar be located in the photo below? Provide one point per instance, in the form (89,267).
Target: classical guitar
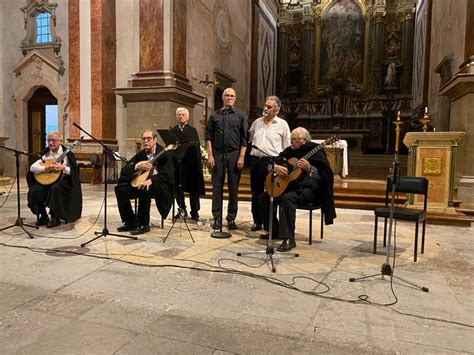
(280,183)
(50,177)
(142,175)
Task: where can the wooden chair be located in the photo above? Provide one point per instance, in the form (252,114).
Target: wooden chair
(410,185)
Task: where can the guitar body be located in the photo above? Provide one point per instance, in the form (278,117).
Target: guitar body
(280,183)
(140,178)
(48,178)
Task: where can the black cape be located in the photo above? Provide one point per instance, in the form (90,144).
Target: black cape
(319,161)
(66,202)
(163,182)
(188,157)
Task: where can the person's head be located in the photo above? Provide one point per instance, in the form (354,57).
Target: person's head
(149,140)
(54,141)
(272,106)
(299,136)
(182,115)
(228,97)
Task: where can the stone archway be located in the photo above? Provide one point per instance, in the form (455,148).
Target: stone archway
(35,70)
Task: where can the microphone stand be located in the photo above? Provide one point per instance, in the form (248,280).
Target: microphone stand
(107,153)
(386,269)
(269,250)
(220,234)
(19,219)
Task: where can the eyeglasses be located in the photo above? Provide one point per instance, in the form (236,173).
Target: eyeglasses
(296,139)
(147,138)
(53,140)
(268,106)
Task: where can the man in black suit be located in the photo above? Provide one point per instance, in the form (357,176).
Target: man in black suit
(64,196)
(158,185)
(188,175)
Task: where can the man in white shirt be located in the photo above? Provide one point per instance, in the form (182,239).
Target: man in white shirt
(269,136)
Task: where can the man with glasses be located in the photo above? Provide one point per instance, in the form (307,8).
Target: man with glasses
(269,136)
(63,197)
(158,185)
(314,186)
(226,136)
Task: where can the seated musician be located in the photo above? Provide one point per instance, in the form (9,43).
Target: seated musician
(62,196)
(314,186)
(158,184)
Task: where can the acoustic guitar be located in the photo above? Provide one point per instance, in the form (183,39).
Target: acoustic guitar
(142,175)
(50,177)
(280,183)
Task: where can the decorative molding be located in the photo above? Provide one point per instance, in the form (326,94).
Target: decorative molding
(432,166)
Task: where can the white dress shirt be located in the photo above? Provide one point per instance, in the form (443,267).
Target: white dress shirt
(271,138)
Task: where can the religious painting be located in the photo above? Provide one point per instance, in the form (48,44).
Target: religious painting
(266,57)
(342,44)
(419,55)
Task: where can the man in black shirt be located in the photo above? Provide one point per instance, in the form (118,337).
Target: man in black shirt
(226,137)
(315,185)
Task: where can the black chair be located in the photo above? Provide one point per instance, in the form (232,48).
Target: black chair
(409,185)
(135,207)
(311,207)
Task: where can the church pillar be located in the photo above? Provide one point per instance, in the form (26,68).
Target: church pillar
(307,50)
(407,27)
(160,85)
(282,57)
(74,68)
(378,49)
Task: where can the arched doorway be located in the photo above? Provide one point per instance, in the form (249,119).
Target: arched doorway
(42,118)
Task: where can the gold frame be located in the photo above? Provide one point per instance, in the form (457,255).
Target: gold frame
(319,14)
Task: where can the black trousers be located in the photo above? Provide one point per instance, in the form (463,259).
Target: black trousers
(124,193)
(285,227)
(193,202)
(233,178)
(258,173)
(42,196)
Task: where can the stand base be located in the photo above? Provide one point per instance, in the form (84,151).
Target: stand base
(269,251)
(220,235)
(105,233)
(181,218)
(19,223)
(387,271)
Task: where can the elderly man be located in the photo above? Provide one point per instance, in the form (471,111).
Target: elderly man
(63,197)
(315,185)
(269,136)
(188,175)
(226,137)
(157,183)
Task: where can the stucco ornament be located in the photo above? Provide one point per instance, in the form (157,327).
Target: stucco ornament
(222,28)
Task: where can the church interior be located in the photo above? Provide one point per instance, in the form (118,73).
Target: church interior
(393,79)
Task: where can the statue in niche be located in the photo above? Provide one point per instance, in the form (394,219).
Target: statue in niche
(392,65)
(294,71)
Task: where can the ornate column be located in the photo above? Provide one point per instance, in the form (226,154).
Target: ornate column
(407,27)
(307,53)
(378,48)
(282,52)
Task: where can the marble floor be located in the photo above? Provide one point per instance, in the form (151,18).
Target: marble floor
(118,295)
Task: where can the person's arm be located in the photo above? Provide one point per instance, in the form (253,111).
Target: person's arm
(210,157)
(240,160)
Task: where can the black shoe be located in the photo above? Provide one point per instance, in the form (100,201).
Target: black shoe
(140,229)
(256,227)
(126,227)
(286,245)
(195,216)
(54,222)
(231,225)
(216,225)
(42,220)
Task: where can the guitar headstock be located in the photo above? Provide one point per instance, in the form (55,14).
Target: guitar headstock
(172,147)
(333,139)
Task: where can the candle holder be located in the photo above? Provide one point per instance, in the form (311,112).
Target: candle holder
(425,120)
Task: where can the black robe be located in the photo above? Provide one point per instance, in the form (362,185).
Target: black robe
(163,182)
(188,157)
(325,185)
(65,200)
